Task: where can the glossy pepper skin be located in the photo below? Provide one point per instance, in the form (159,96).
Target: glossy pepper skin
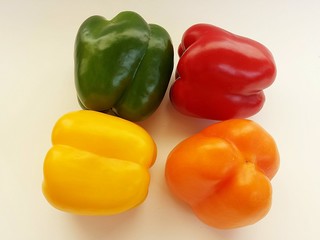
(122,65)
(224,173)
(98,164)
(221,75)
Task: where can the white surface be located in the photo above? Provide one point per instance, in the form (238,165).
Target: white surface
(36,77)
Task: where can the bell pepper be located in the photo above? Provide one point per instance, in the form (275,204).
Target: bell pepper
(122,65)
(98,164)
(221,75)
(223,173)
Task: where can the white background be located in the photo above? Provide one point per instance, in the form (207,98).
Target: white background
(37,87)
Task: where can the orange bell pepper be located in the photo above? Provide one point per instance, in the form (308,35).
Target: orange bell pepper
(224,173)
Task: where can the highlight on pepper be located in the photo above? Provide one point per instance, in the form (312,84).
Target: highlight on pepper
(221,75)
(98,164)
(223,173)
(122,65)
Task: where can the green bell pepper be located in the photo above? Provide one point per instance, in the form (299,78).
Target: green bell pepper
(122,65)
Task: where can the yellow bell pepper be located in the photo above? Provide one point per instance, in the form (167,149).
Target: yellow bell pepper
(98,164)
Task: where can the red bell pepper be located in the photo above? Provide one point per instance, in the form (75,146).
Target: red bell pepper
(221,75)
